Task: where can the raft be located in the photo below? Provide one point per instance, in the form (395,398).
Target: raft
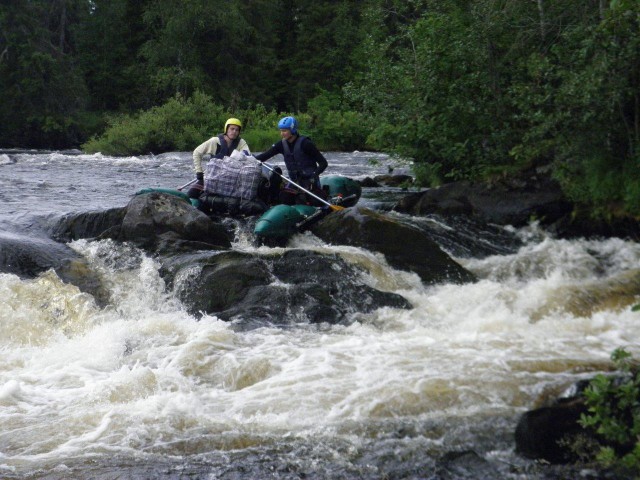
(193,201)
(282,221)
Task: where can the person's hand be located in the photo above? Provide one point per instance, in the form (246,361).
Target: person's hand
(200,177)
(246,152)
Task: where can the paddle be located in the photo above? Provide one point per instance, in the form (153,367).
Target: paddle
(332,207)
(187,184)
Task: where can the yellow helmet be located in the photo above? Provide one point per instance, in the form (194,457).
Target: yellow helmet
(232,121)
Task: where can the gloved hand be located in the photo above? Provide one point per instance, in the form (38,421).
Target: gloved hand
(200,177)
(246,152)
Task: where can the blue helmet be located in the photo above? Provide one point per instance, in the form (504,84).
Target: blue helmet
(288,123)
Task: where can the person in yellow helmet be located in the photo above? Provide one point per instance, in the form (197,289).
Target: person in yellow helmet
(222,145)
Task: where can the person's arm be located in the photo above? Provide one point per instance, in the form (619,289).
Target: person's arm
(206,147)
(310,149)
(275,149)
(243,146)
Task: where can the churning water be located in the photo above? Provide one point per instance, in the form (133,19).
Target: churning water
(140,389)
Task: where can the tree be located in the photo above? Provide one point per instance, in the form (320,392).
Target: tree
(222,48)
(107,39)
(42,92)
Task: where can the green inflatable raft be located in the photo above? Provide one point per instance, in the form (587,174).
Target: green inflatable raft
(282,221)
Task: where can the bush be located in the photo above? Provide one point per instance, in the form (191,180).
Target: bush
(614,413)
(178,125)
(183,124)
(335,127)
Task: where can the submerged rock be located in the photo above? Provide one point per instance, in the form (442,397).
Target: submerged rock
(464,465)
(403,246)
(293,287)
(27,257)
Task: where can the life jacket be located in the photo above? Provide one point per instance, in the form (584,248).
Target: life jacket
(299,164)
(225,150)
(230,177)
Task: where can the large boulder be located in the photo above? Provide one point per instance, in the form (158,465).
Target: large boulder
(296,286)
(86,224)
(28,256)
(508,201)
(404,247)
(156,220)
(548,432)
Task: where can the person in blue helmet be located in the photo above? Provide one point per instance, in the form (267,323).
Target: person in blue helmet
(303,160)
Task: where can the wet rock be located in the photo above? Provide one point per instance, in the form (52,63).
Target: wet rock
(294,287)
(157,219)
(369,183)
(212,283)
(582,224)
(29,256)
(547,432)
(464,465)
(393,180)
(508,201)
(86,224)
(403,246)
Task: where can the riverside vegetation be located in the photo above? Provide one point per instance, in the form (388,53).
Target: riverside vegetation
(614,413)
(467,89)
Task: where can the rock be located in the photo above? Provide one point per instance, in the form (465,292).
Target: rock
(393,180)
(157,219)
(513,201)
(582,224)
(87,224)
(212,283)
(369,182)
(546,433)
(404,247)
(464,465)
(294,287)
(28,257)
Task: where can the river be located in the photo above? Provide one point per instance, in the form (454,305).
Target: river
(141,389)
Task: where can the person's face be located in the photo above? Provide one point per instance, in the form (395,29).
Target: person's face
(286,134)
(233,131)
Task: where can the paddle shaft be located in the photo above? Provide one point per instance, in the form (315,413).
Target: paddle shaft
(333,207)
(187,184)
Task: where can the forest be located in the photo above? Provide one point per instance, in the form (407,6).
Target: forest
(466,89)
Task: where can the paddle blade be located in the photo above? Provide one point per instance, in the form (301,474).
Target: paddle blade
(336,208)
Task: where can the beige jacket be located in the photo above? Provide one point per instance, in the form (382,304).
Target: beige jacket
(210,147)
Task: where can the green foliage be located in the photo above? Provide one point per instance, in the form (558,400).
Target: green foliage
(182,124)
(582,109)
(335,127)
(42,92)
(463,89)
(614,413)
(178,125)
